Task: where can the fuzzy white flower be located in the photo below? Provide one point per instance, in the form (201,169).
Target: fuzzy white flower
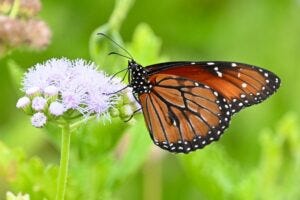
(78,84)
(19,196)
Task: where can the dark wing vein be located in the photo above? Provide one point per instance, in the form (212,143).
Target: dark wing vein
(248,83)
(187,92)
(159,118)
(180,109)
(147,113)
(253,78)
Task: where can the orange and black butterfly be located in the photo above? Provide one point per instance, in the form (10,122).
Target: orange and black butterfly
(187,105)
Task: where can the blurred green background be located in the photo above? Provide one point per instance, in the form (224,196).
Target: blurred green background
(257,158)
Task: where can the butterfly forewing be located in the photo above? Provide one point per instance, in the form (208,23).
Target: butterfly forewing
(242,85)
(183,115)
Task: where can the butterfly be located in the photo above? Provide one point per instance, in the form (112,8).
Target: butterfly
(187,105)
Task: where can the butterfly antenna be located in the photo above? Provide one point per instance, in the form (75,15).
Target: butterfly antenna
(109,38)
(115,53)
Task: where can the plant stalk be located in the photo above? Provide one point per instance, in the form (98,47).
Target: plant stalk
(64,163)
(15,9)
(119,13)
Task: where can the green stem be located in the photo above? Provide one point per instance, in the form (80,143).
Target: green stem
(64,162)
(119,13)
(15,9)
(78,123)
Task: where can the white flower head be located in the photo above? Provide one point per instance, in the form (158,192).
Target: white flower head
(52,72)
(39,119)
(75,85)
(19,196)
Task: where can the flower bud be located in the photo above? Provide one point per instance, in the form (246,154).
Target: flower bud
(33,91)
(56,108)
(38,120)
(23,102)
(38,103)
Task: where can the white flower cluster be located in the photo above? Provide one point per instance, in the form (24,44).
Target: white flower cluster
(59,86)
(19,196)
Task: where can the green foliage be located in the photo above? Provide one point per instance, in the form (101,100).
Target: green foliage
(253,160)
(275,175)
(16,73)
(18,173)
(100,46)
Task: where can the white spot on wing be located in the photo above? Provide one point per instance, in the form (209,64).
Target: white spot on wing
(210,63)
(233,64)
(266,74)
(174,123)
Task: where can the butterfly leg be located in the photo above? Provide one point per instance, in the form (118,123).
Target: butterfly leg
(116,92)
(131,116)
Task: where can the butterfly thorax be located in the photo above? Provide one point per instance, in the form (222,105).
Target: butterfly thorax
(138,78)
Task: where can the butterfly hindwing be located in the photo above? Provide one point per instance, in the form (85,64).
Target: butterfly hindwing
(183,115)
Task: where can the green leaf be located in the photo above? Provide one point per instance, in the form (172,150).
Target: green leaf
(131,158)
(280,161)
(20,174)
(96,139)
(100,47)
(145,45)
(213,171)
(16,73)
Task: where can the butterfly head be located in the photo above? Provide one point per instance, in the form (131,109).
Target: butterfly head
(138,78)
